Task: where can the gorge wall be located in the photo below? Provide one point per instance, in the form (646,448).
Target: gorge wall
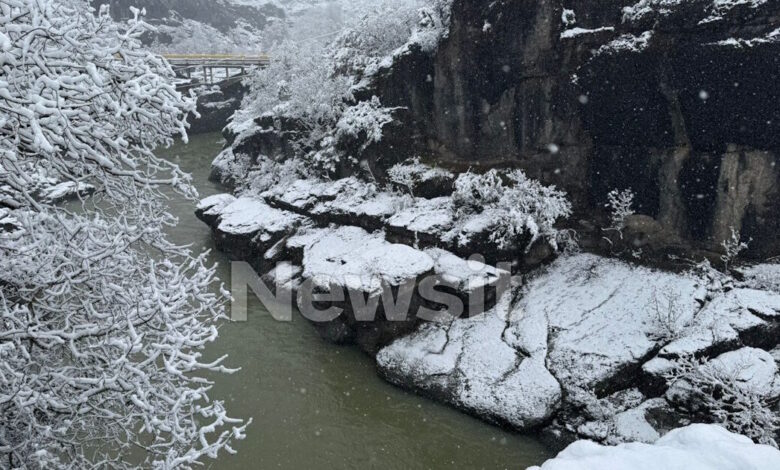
(675,100)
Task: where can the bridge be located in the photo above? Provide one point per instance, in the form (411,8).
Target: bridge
(212,69)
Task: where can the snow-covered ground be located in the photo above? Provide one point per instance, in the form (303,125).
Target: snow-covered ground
(696,447)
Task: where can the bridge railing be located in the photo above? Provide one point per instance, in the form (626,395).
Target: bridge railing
(209,67)
(217,59)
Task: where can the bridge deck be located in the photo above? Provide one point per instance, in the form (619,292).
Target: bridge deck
(217,60)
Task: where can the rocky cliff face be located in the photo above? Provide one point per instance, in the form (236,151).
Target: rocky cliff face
(674,100)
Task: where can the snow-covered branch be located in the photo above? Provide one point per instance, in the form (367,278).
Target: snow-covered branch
(103,322)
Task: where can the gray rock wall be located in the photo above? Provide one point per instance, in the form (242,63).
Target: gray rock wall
(690,123)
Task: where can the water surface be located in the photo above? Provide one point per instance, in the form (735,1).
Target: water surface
(316,405)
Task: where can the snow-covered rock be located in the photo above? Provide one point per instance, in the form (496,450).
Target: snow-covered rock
(247,215)
(210,208)
(246,228)
(361,261)
(752,370)
(575,32)
(585,324)
(465,275)
(370,272)
(597,317)
(425,219)
(585,320)
(696,447)
(347,201)
(422,180)
(466,363)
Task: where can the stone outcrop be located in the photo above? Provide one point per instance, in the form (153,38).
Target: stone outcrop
(352,257)
(586,346)
(675,102)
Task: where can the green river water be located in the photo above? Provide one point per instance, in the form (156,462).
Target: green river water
(316,405)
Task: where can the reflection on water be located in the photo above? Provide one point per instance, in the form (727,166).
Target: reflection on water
(319,405)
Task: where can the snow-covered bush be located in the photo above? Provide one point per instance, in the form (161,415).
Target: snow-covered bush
(621,206)
(103,322)
(732,247)
(475,192)
(266,173)
(299,84)
(513,205)
(366,119)
(725,390)
(671,319)
(412,173)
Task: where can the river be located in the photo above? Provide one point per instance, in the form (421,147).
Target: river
(316,405)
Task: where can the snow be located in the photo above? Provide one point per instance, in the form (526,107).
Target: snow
(762,276)
(632,425)
(366,118)
(379,206)
(577,324)
(345,197)
(716,8)
(468,364)
(645,7)
(220,104)
(214,205)
(466,275)
(696,447)
(627,43)
(414,172)
(247,215)
(305,194)
(699,340)
(602,311)
(771,37)
(722,6)
(429,216)
(568,17)
(574,32)
(286,275)
(61,191)
(755,370)
(359,260)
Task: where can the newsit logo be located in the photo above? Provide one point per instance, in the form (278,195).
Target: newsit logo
(322,298)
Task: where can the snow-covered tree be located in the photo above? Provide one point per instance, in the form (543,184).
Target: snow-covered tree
(103,322)
(732,247)
(309,85)
(621,206)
